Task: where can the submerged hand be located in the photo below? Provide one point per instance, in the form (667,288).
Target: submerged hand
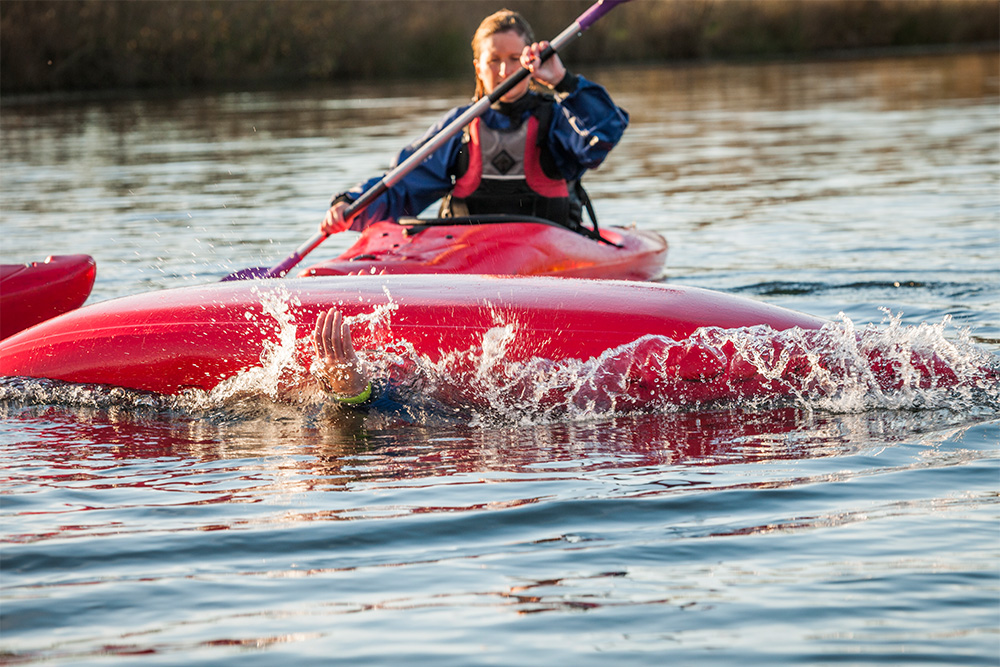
(339,369)
(549,73)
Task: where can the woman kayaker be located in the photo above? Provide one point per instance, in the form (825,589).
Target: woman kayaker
(524,156)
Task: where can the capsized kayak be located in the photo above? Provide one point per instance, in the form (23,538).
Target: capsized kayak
(484,341)
(198,337)
(500,245)
(34,292)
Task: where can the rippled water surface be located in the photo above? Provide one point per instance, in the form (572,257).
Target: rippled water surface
(857,527)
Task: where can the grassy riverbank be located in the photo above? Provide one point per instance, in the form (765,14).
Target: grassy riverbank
(50,45)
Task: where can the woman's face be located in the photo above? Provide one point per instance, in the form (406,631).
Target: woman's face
(499,57)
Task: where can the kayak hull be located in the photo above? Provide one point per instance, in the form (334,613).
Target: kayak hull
(198,337)
(533,248)
(35,292)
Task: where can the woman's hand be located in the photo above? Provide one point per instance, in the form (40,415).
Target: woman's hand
(339,369)
(549,73)
(334,222)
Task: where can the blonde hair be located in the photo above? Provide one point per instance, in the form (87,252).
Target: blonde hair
(502,21)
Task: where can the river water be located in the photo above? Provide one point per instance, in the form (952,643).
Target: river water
(857,530)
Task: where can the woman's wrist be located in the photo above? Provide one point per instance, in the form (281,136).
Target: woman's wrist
(339,384)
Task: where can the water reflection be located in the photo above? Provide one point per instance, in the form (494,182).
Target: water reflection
(244,460)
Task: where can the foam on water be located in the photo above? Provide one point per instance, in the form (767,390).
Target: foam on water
(838,369)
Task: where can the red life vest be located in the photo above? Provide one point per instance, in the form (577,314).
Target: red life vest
(505,175)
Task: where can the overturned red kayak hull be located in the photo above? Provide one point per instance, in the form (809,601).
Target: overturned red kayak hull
(198,337)
(32,293)
(504,248)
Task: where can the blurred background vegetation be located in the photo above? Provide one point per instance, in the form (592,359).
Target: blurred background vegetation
(55,45)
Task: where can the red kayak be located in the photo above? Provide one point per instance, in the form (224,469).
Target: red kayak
(198,337)
(32,293)
(498,245)
(512,341)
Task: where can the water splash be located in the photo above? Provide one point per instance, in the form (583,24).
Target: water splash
(839,368)
(897,366)
(280,358)
(889,366)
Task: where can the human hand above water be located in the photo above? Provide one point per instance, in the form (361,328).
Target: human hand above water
(339,369)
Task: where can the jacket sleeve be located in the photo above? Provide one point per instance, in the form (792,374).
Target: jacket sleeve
(586,125)
(428,182)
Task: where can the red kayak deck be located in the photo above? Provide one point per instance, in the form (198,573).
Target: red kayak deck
(198,337)
(32,293)
(500,247)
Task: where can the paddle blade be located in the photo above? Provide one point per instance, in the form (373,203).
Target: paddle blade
(253,273)
(596,11)
(284,267)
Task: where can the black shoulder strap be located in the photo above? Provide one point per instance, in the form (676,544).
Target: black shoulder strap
(461,163)
(594,231)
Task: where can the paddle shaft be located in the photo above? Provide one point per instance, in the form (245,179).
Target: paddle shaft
(394,176)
